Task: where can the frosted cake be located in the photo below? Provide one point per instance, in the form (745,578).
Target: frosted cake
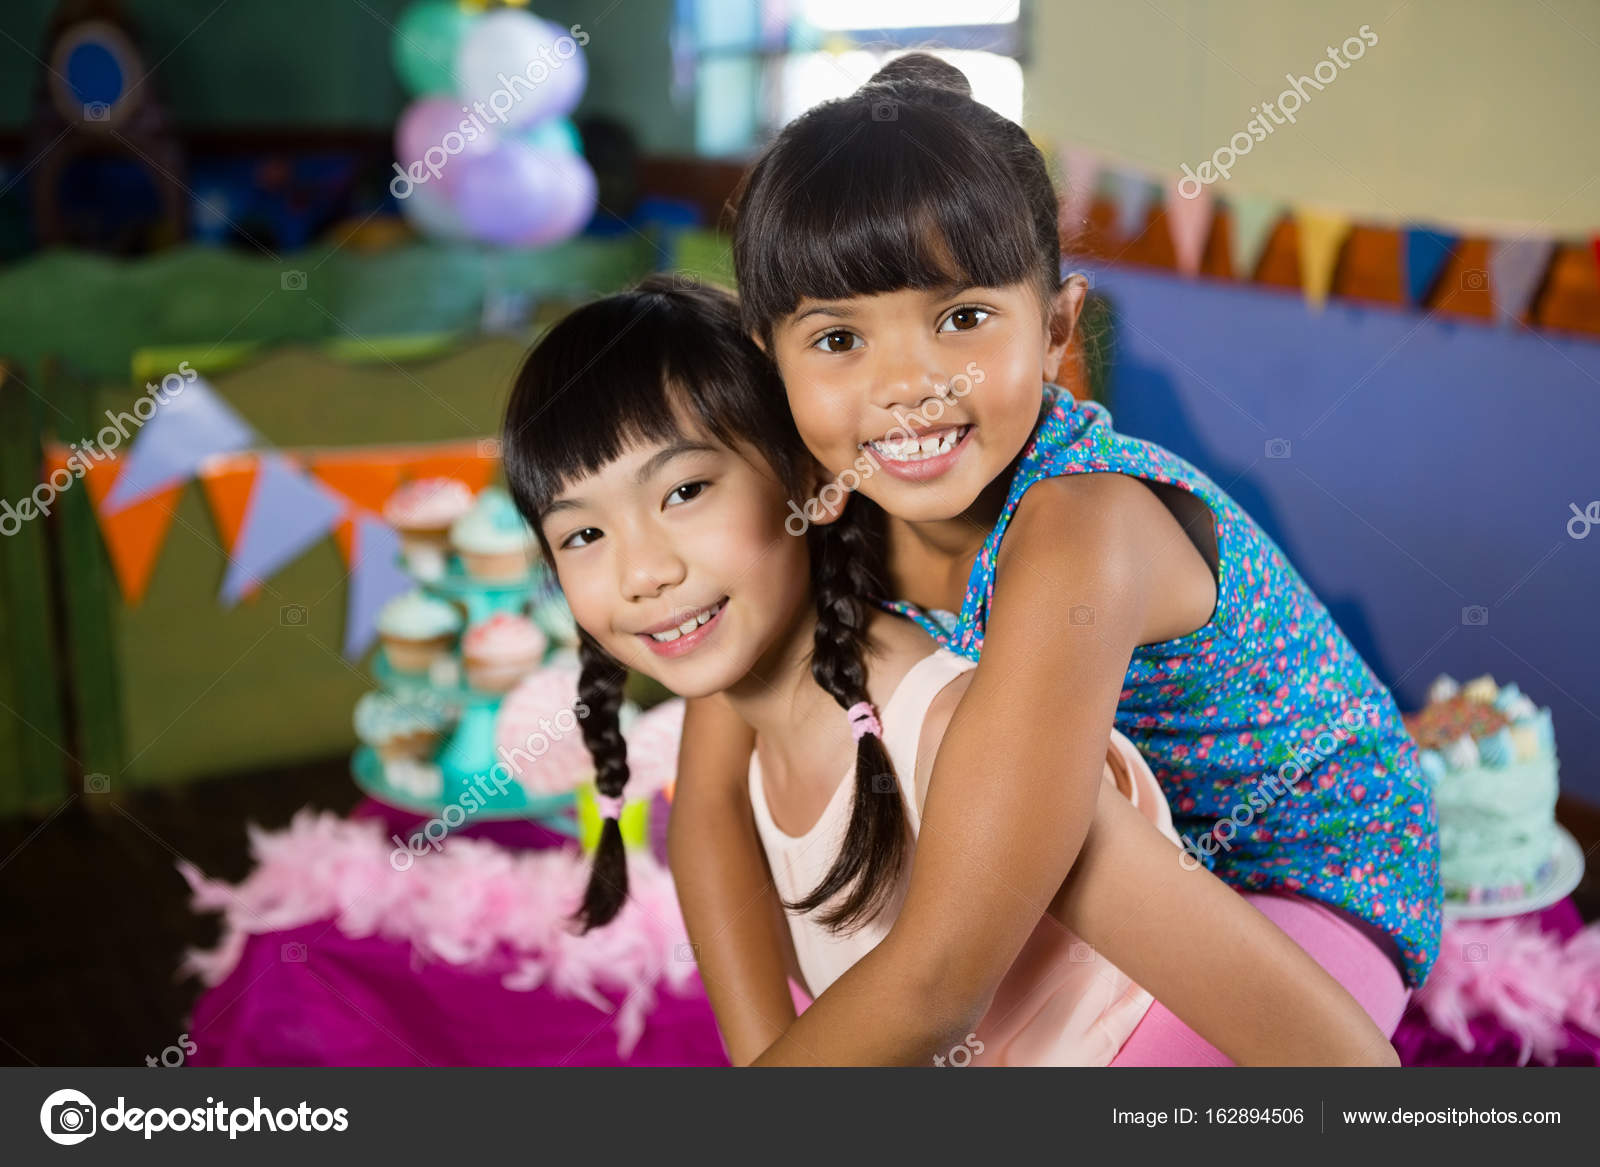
(1490,754)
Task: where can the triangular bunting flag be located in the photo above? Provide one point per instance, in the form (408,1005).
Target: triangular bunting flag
(1516,269)
(288,512)
(1426,253)
(1078,187)
(1133,194)
(1251,221)
(228,482)
(133,536)
(1594,246)
(1189,221)
(1322,235)
(364,478)
(192,425)
(376,577)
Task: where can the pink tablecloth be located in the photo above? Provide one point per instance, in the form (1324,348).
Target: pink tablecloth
(313,996)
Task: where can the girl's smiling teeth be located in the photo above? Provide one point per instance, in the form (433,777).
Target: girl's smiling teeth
(689,624)
(915,448)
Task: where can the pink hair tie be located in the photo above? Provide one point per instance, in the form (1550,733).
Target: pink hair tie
(863,720)
(610,805)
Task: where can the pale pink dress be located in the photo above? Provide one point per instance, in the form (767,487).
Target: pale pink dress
(1061,1003)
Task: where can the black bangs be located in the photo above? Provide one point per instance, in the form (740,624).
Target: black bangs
(852,201)
(621,371)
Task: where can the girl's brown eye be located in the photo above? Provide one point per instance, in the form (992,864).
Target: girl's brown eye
(964,318)
(839,342)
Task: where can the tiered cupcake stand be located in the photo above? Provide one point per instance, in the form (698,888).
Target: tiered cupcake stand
(467,757)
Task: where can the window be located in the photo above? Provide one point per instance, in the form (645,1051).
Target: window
(758,64)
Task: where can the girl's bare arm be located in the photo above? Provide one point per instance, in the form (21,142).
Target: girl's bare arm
(730,905)
(1016,783)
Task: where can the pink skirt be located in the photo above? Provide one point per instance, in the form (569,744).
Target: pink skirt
(1346,948)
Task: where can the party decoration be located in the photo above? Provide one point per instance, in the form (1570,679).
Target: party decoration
(288,512)
(488,153)
(1516,269)
(1252,219)
(556,135)
(431,212)
(523,68)
(1426,253)
(426,40)
(181,432)
(520,196)
(228,481)
(376,577)
(1189,221)
(135,533)
(430,138)
(1322,235)
(1133,194)
(1077,189)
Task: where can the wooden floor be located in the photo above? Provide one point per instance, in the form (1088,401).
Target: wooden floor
(94,917)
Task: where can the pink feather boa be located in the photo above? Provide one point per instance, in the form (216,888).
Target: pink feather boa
(1530,980)
(473,903)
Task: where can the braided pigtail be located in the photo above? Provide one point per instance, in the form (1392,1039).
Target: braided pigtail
(600,689)
(846,572)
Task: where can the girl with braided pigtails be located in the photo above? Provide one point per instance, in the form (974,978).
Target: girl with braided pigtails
(648,444)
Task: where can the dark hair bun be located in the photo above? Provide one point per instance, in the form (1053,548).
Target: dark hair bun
(922,69)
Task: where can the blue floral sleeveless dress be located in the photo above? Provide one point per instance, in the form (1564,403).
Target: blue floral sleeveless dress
(1284,758)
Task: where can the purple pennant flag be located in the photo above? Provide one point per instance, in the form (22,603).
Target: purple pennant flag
(1516,269)
(178,436)
(288,512)
(1133,194)
(376,578)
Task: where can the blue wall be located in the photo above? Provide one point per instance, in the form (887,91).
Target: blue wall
(1430,469)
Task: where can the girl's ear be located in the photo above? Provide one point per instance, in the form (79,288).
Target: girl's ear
(1065,309)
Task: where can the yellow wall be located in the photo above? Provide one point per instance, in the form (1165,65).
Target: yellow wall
(1474,113)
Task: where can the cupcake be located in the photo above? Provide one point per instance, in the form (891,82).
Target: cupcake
(493,540)
(416,629)
(500,651)
(398,729)
(422,512)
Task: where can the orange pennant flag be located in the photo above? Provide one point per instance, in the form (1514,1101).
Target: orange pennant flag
(134,535)
(365,479)
(228,481)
